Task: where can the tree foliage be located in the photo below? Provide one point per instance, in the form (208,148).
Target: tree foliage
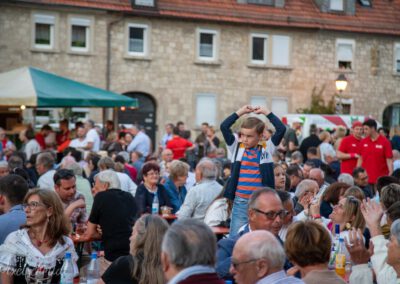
(318,104)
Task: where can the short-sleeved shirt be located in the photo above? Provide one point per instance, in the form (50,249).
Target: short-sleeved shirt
(115,211)
(374,155)
(120,271)
(93,136)
(178,145)
(11,221)
(349,145)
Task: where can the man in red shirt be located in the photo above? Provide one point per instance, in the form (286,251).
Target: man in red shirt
(178,145)
(348,149)
(375,153)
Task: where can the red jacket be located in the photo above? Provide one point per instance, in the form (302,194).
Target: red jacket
(206,278)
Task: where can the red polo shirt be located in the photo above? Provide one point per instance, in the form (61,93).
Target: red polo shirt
(349,145)
(178,145)
(374,155)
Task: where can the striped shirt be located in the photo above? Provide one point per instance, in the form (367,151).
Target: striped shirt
(249,175)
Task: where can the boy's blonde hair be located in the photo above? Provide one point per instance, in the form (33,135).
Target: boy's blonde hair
(253,122)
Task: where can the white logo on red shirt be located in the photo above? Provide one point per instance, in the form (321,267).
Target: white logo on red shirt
(365,145)
(379,146)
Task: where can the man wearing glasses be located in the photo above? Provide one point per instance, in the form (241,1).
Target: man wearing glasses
(258,257)
(265,212)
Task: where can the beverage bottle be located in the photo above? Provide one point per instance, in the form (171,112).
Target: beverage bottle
(340,264)
(67,270)
(93,270)
(335,247)
(155,206)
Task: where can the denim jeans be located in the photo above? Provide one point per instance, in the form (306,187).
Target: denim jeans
(239,215)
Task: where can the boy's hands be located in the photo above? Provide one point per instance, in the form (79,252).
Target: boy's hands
(261,110)
(248,109)
(244,109)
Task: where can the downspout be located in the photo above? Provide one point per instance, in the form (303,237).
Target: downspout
(108,71)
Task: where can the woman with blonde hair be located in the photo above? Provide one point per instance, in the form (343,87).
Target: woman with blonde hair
(143,265)
(35,253)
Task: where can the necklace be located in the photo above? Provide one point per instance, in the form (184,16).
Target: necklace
(38,242)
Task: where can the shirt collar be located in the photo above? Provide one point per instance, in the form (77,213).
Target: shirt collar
(190,271)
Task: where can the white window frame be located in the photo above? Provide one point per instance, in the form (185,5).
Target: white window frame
(273,50)
(351,42)
(266,48)
(396,48)
(256,101)
(146,40)
(215,34)
(336,5)
(276,112)
(86,22)
(211,117)
(44,18)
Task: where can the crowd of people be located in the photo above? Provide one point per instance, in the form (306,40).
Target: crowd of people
(289,202)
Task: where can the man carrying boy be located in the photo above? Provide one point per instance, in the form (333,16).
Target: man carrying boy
(252,164)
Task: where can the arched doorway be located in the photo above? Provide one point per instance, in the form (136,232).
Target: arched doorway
(391,115)
(144,116)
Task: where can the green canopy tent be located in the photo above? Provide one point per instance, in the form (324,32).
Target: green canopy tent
(32,87)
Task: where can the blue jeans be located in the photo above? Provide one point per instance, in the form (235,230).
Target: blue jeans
(239,215)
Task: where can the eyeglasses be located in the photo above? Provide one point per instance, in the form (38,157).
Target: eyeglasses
(235,264)
(33,205)
(271,215)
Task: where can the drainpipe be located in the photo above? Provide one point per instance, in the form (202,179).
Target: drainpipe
(108,70)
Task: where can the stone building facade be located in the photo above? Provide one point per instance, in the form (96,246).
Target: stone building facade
(185,86)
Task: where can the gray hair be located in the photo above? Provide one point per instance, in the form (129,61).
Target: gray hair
(395,230)
(263,244)
(303,186)
(90,122)
(3,164)
(346,178)
(297,155)
(106,163)
(46,159)
(322,173)
(76,168)
(110,177)
(208,169)
(190,242)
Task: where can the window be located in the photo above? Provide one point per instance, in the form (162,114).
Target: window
(138,40)
(44,31)
(397,57)
(80,34)
(148,3)
(279,106)
(258,101)
(206,109)
(336,5)
(207,44)
(259,48)
(345,54)
(280,50)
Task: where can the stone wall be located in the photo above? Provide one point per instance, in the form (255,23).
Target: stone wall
(173,77)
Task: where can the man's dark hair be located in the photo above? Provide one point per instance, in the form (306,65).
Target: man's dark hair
(311,164)
(62,174)
(46,127)
(383,181)
(313,129)
(175,130)
(29,134)
(370,123)
(121,135)
(120,159)
(284,195)
(206,124)
(312,150)
(293,170)
(358,171)
(14,188)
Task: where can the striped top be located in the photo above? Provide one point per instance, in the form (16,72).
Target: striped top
(249,175)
